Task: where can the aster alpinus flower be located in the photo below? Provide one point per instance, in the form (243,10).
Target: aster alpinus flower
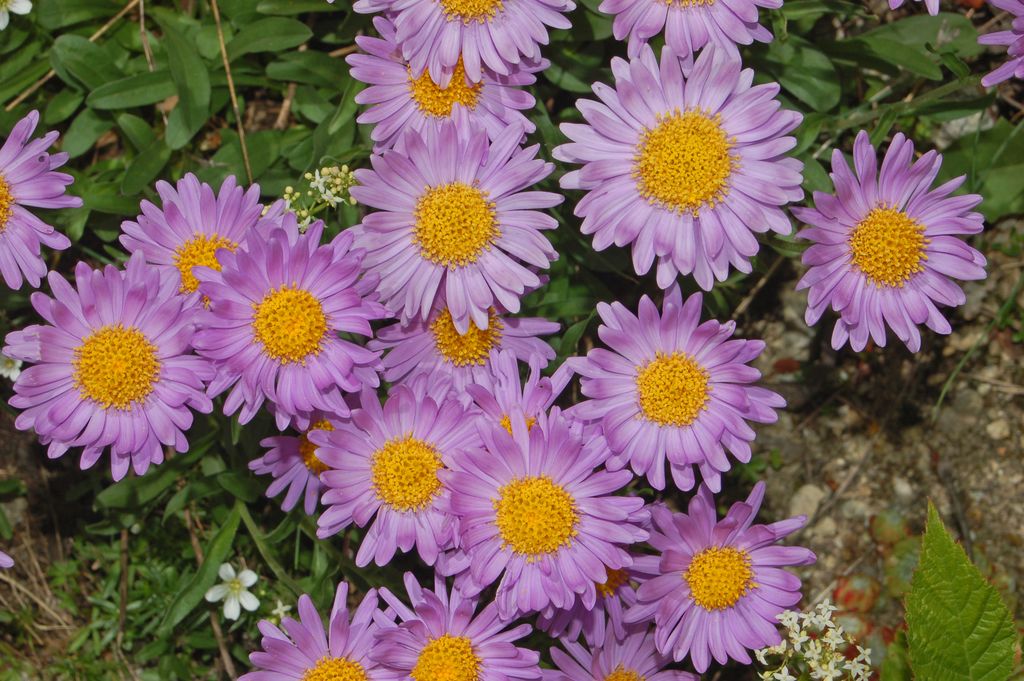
(450,637)
(932,5)
(398,102)
(719,583)
(271,327)
(1012,38)
(684,169)
(502,393)
(671,387)
(302,650)
(453,221)
(113,367)
(28,179)
(6,562)
(887,246)
(436,35)
(537,515)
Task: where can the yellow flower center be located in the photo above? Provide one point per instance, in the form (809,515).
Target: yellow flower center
(464,349)
(404,473)
(116,366)
(888,246)
(612,582)
(471,10)
(718,576)
(290,323)
(689,3)
(448,658)
(454,224)
(200,251)
(308,450)
(620,673)
(6,203)
(506,423)
(535,516)
(672,389)
(335,669)
(683,164)
(438,101)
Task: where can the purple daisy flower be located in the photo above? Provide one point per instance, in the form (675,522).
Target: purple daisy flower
(689,25)
(114,367)
(443,637)
(535,516)
(293,463)
(732,586)
(436,35)
(453,221)
(887,246)
(631,657)
(6,561)
(502,393)
(398,102)
(436,348)
(671,387)
(192,226)
(1013,39)
(303,651)
(932,5)
(273,320)
(27,178)
(385,465)
(684,169)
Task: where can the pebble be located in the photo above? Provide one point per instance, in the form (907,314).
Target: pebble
(806,500)
(824,528)
(998,429)
(902,489)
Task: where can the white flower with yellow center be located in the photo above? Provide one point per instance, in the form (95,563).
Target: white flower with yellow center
(234,591)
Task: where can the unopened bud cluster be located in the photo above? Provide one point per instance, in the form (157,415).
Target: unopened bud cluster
(328,187)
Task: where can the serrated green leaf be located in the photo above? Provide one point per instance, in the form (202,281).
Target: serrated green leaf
(958,627)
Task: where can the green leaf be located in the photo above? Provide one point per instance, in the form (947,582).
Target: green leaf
(192,81)
(144,168)
(138,90)
(135,492)
(86,62)
(958,627)
(274,34)
(60,13)
(192,594)
(137,130)
(84,131)
(805,72)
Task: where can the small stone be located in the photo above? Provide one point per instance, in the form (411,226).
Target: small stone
(824,529)
(806,500)
(902,489)
(998,429)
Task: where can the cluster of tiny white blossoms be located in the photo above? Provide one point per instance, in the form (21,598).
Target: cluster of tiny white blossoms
(328,188)
(814,648)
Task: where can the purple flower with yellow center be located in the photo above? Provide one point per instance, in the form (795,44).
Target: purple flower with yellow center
(399,102)
(887,246)
(499,35)
(385,467)
(689,25)
(193,225)
(686,169)
(1014,41)
(671,387)
(114,367)
(503,393)
(719,583)
(932,5)
(302,651)
(293,463)
(28,180)
(537,518)
(630,657)
(435,347)
(275,312)
(453,222)
(442,637)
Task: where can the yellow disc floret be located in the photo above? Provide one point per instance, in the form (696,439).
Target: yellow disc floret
(437,101)
(719,576)
(888,246)
(335,669)
(455,223)
(535,516)
(683,164)
(465,349)
(620,673)
(116,366)
(447,658)
(471,10)
(6,203)
(614,580)
(308,450)
(404,473)
(290,324)
(199,251)
(672,389)
(506,423)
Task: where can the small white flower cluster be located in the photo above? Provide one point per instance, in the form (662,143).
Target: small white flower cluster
(816,645)
(328,188)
